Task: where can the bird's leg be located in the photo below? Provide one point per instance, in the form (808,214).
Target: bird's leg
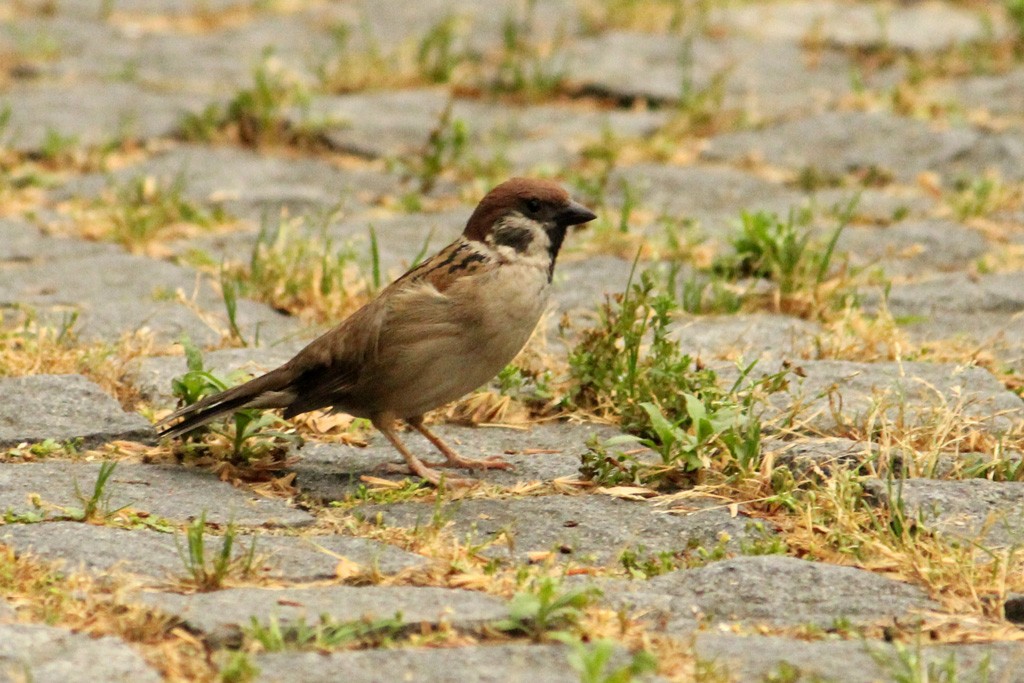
(453,459)
(386,425)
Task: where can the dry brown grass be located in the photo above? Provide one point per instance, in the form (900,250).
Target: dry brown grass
(35,350)
(969,580)
(41,593)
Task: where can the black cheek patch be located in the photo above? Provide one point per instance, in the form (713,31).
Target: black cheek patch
(517,238)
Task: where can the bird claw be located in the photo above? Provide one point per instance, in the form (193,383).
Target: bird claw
(492,463)
(429,474)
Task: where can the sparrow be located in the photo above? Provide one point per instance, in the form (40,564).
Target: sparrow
(439,331)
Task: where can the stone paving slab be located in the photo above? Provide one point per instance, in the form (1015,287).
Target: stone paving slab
(1000,293)
(209,64)
(987,310)
(913,248)
(772,590)
(387,27)
(125,293)
(172,492)
(103,113)
(746,336)
(991,512)
(247,184)
(66,408)
(910,394)
(586,529)
(1001,94)
(872,206)
(44,654)
(921,27)
(713,195)
(856,142)
(581,285)
(756,658)
(513,663)
(158,556)
(544,452)
(22,242)
(763,79)
(399,123)
(221,615)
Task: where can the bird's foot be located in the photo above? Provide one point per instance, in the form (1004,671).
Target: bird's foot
(428,474)
(452,459)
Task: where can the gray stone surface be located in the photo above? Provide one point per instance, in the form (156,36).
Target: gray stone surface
(762,79)
(473,664)
(399,123)
(159,555)
(747,337)
(248,184)
(857,142)
(1001,94)
(64,408)
(989,512)
(124,293)
(586,529)
(756,658)
(221,615)
(771,590)
(545,452)
(911,248)
(22,243)
(999,293)
(45,654)
(908,394)
(104,113)
(983,310)
(919,27)
(714,196)
(581,285)
(176,493)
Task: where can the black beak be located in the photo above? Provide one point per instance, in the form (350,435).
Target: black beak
(575,214)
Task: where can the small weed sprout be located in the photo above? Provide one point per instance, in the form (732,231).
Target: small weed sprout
(297,268)
(524,67)
(273,111)
(249,436)
(327,634)
(145,209)
(97,503)
(629,367)
(437,56)
(209,573)
(780,252)
(777,250)
(238,668)
(446,146)
(545,611)
(594,660)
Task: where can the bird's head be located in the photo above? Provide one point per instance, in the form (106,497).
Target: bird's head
(526,215)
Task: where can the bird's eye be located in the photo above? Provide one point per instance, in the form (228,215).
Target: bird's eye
(533,205)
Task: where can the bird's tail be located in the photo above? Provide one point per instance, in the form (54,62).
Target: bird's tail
(267,391)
